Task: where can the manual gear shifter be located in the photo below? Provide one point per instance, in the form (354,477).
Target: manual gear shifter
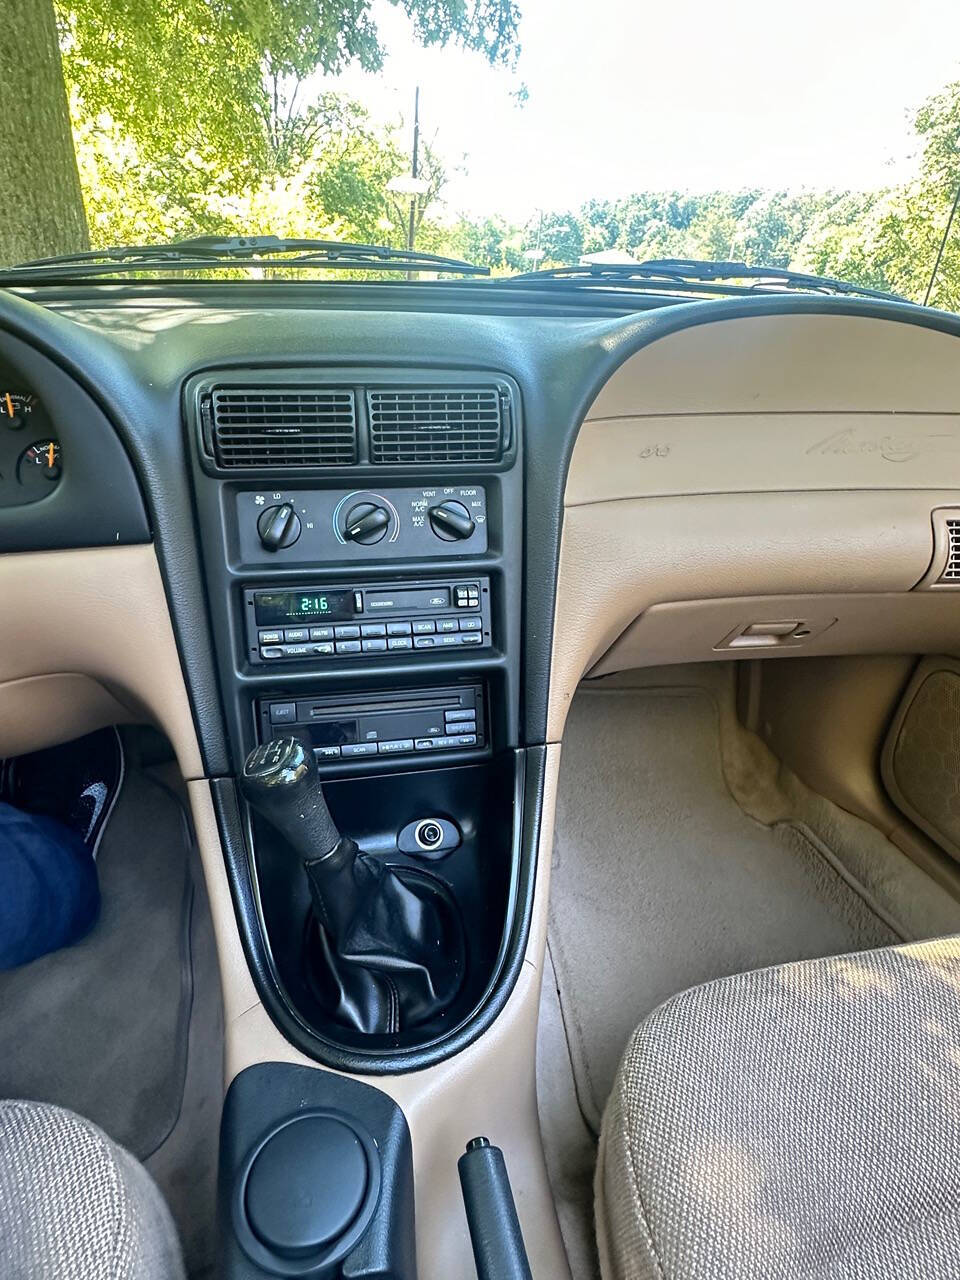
(391,948)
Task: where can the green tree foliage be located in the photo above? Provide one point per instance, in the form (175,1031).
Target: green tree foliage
(881,239)
(195,116)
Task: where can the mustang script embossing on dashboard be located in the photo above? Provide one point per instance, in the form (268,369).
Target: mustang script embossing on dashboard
(890,447)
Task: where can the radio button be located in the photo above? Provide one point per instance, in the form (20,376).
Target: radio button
(449,641)
(472,637)
(348,646)
(471,624)
(296,635)
(398,629)
(323,650)
(467,595)
(468,740)
(425,744)
(401,642)
(296,650)
(452,716)
(424,628)
(283,712)
(271,651)
(468,726)
(425,642)
(270,637)
(347,633)
(372,629)
(392,748)
(446,624)
(327,753)
(321,633)
(358,602)
(359,749)
(373,646)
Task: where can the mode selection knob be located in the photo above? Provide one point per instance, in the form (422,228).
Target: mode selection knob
(366,523)
(278,527)
(451,521)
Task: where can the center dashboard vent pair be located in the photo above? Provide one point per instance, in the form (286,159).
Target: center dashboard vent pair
(298,425)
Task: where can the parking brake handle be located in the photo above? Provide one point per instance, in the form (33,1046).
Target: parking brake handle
(495,1234)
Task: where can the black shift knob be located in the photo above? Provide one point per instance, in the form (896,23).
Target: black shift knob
(279,779)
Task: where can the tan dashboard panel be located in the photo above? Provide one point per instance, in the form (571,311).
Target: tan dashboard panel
(100,614)
(42,711)
(775,403)
(762,452)
(757,627)
(617,559)
(757,456)
(789,364)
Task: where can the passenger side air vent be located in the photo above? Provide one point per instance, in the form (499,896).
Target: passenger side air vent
(943,572)
(281,426)
(438,424)
(951,570)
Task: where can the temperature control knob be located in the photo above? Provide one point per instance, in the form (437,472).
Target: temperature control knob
(366,523)
(451,521)
(278,527)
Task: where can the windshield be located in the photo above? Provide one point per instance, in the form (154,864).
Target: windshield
(517,135)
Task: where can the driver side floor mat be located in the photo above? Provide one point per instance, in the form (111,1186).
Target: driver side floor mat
(685,852)
(104,1027)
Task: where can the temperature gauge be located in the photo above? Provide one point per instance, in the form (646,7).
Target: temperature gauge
(15,408)
(40,465)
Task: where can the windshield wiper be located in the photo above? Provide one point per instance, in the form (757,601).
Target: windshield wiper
(699,276)
(206,253)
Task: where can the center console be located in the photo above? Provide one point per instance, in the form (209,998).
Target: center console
(362,533)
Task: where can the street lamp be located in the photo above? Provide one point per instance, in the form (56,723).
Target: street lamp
(405,185)
(412,185)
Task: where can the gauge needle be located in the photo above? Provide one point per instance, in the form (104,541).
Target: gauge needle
(50,455)
(9,404)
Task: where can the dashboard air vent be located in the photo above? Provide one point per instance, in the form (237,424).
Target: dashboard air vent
(436,425)
(951,570)
(283,426)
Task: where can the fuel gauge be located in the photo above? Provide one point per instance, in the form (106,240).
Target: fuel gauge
(40,465)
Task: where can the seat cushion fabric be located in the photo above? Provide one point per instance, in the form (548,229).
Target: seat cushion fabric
(75,1206)
(798,1121)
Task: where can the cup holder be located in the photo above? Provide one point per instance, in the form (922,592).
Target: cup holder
(305,1194)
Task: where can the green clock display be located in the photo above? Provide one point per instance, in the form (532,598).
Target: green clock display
(281,608)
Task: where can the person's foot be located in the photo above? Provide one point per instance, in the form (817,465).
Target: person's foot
(76,783)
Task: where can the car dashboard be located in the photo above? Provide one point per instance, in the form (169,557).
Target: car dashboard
(403,537)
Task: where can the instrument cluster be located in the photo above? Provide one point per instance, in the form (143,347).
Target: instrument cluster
(31,461)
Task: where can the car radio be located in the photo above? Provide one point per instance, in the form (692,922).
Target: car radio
(352,726)
(314,622)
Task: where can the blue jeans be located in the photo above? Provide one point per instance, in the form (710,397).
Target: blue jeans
(49,895)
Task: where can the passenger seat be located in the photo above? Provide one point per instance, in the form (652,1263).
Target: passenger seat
(75,1206)
(799,1121)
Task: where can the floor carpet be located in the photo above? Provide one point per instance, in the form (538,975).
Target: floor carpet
(125,1026)
(663,877)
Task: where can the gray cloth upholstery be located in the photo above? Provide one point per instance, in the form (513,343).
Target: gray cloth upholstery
(75,1206)
(798,1121)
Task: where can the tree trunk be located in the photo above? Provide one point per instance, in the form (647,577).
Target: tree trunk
(41,206)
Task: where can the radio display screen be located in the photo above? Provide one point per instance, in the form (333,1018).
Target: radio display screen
(276,608)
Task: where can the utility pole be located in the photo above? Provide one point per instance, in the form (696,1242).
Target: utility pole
(414,169)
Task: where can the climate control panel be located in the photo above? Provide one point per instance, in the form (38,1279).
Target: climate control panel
(323,525)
